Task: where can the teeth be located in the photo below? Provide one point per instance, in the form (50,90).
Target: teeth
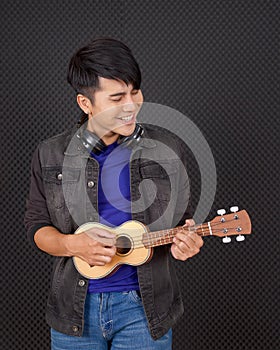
(127,118)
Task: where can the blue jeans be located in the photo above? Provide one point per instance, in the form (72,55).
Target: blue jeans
(113,321)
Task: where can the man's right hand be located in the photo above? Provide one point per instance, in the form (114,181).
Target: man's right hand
(95,246)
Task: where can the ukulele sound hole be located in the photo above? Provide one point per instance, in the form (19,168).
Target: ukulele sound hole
(123,244)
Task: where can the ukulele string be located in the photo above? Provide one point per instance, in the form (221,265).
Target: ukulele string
(158,237)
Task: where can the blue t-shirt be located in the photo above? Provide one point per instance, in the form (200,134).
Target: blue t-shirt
(114,209)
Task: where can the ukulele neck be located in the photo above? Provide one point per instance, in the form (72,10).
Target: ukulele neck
(158,238)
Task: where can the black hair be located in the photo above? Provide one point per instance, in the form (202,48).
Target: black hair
(103,57)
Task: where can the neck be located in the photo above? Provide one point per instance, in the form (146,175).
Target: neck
(108,138)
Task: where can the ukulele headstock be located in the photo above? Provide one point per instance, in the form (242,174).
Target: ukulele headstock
(237,223)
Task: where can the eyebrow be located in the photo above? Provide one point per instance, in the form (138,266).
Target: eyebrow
(118,94)
(121,93)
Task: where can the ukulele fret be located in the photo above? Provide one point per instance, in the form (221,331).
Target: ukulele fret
(202,229)
(157,238)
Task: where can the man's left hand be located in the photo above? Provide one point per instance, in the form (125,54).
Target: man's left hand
(186,243)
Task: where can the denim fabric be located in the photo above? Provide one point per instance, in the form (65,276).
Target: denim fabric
(113,321)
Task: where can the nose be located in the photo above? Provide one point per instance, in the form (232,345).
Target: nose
(129,107)
(129,104)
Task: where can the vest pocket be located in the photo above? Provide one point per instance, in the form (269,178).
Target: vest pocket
(59,184)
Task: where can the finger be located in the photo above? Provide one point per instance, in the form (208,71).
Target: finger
(183,252)
(104,237)
(104,256)
(178,254)
(184,247)
(100,260)
(187,246)
(189,222)
(108,251)
(190,239)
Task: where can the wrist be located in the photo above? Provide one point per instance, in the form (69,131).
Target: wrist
(68,243)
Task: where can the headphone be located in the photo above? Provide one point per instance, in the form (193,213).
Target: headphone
(93,144)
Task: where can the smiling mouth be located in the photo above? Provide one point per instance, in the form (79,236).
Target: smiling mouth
(127,118)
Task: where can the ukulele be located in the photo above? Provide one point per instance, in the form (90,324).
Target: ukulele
(134,242)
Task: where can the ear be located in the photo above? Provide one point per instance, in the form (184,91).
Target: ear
(84,103)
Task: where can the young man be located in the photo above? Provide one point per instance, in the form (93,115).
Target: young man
(110,170)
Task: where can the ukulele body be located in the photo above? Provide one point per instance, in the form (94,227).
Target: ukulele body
(130,249)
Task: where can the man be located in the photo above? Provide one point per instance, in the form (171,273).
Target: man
(110,170)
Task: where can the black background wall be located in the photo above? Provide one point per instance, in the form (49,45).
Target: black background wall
(215,61)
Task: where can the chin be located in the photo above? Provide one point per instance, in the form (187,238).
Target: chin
(126,130)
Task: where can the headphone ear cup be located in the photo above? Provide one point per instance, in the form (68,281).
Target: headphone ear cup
(92,143)
(131,140)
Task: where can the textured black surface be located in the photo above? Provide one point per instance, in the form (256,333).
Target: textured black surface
(215,61)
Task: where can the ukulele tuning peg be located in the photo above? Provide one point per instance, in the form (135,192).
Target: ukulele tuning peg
(234,209)
(221,212)
(226,239)
(240,238)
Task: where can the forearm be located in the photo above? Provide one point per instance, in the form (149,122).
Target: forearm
(53,242)
(93,251)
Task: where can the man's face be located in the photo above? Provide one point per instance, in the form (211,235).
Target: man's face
(114,109)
